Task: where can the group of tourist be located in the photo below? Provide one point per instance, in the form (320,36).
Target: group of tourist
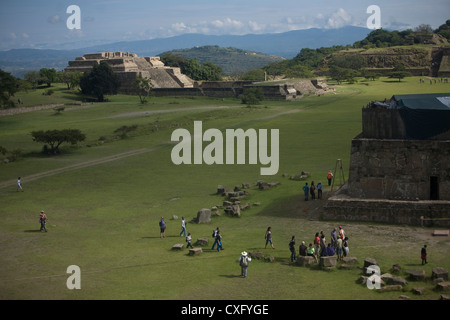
(216,234)
(338,246)
(310,190)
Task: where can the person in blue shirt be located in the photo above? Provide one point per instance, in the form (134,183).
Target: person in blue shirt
(306,190)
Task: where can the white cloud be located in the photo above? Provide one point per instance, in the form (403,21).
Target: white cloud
(339,19)
(54,19)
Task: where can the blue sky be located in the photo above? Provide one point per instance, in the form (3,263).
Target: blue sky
(42,24)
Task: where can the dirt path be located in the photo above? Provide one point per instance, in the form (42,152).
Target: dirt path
(152,112)
(13,111)
(81,165)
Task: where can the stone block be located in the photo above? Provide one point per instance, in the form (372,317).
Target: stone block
(443,286)
(439,273)
(418,291)
(195,251)
(441,233)
(394,287)
(369,262)
(177,246)
(350,260)
(398,280)
(328,262)
(202,242)
(416,274)
(204,216)
(305,260)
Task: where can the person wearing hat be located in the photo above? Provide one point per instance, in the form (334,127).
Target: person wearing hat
(243,262)
(43,221)
(183,227)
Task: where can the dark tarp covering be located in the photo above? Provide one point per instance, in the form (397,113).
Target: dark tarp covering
(424,115)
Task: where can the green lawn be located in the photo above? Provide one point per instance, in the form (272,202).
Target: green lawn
(105,196)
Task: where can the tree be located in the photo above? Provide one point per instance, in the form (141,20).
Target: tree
(100,81)
(252,95)
(425,28)
(399,72)
(339,74)
(48,76)
(70,78)
(211,72)
(33,78)
(143,87)
(173,60)
(54,138)
(207,72)
(8,87)
(299,71)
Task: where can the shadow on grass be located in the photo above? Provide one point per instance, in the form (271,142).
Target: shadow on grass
(230,276)
(35,231)
(296,207)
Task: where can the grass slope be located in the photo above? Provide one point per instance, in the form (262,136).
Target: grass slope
(104,200)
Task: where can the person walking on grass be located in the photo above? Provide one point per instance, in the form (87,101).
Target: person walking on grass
(243,262)
(214,235)
(43,221)
(268,238)
(188,240)
(19,184)
(423,254)
(183,227)
(162,227)
(219,241)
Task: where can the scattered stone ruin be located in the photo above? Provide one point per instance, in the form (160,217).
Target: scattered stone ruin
(399,165)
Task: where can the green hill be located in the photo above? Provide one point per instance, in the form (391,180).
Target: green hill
(231,60)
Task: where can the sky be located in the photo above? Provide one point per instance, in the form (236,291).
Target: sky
(43,24)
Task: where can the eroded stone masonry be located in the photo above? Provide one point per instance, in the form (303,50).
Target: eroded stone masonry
(399,164)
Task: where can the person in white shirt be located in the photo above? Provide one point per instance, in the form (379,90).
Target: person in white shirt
(183,226)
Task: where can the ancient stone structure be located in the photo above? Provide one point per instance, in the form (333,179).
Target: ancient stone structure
(399,164)
(128,66)
(169,81)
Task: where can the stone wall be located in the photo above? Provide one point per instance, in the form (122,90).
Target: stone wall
(399,169)
(435,213)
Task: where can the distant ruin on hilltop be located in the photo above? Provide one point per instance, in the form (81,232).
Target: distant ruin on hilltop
(128,66)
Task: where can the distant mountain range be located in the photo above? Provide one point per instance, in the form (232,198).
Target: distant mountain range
(286,45)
